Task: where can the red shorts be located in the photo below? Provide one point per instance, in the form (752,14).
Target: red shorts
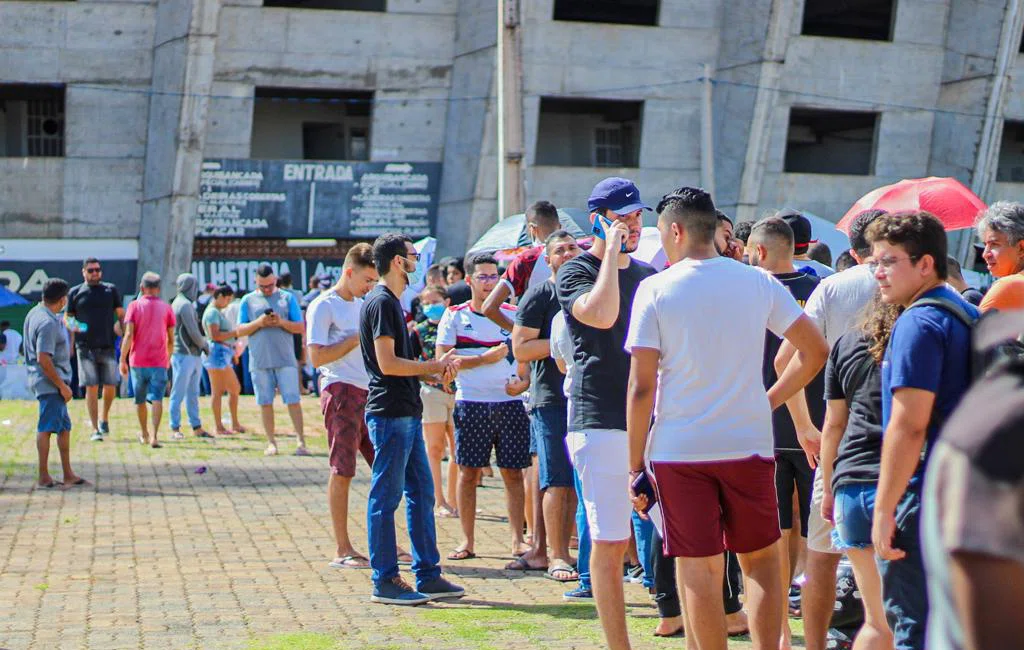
(712,506)
(342,405)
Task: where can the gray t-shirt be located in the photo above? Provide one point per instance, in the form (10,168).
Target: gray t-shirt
(46,333)
(836,303)
(270,347)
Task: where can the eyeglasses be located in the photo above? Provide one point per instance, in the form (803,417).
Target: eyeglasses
(490,277)
(94,270)
(412,257)
(265,287)
(887,263)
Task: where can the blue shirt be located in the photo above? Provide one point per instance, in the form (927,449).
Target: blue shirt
(270,347)
(929,349)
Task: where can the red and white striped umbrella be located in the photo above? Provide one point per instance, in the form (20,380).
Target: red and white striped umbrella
(955,206)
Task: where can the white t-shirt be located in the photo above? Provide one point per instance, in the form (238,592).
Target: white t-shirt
(10,353)
(708,318)
(561,349)
(472,334)
(330,319)
(836,303)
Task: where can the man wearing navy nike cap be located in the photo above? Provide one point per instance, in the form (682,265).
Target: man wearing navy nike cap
(595,291)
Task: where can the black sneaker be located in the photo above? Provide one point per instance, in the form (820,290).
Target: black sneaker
(439,588)
(397,592)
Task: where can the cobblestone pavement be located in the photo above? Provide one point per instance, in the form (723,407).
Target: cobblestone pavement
(154,554)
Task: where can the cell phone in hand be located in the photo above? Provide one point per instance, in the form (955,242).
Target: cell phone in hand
(642,485)
(600,224)
(268,312)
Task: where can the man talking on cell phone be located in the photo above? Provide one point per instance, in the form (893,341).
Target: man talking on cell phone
(595,291)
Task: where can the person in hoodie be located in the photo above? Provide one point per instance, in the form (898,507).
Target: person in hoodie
(186,361)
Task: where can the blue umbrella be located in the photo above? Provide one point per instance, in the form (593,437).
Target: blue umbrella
(10,299)
(511,232)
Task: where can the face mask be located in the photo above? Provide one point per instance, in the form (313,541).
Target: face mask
(434,312)
(414,277)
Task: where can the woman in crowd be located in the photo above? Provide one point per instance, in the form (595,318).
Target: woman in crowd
(851,457)
(219,362)
(438,401)
(1001,229)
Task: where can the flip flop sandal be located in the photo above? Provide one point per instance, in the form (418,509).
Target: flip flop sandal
(522,564)
(80,481)
(202,434)
(156,445)
(562,568)
(678,632)
(461,554)
(348,562)
(50,485)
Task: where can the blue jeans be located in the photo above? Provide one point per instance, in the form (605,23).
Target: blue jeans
(904,585)
(643,531)
(186,369)
(400,466)
(583,535)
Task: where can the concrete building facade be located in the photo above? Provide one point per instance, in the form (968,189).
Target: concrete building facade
(811,106)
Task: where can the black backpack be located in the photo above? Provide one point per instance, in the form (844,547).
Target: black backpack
(997,338)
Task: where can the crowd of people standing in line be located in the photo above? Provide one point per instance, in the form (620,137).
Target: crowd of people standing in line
(741,413)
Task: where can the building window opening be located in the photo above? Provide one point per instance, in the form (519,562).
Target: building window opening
(864,19)
(589,132)
(830,142)
(31,121)
(295,124)
(1011,154)
(619,12)
(337,5)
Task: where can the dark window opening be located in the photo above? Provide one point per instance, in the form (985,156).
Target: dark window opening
(338,5)
(589,132)
(830,142)
(619,12)
(1011,154)
(865,19)
(31,121)
(296,124)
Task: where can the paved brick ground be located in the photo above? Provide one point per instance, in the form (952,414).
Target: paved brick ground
(154,555)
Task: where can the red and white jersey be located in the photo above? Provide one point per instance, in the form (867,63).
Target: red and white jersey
(472,334)
(528,268)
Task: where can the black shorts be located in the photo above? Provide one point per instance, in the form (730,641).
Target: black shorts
(481,426)
(792,469)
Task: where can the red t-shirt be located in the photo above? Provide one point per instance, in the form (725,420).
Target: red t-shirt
(151,317)
(528,268)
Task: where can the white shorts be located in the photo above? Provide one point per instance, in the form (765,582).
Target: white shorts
(601,458)
(819,531)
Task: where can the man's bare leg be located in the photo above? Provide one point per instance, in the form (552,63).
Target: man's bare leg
(468,479)
(267,416)
(818,597)
(64,446)
(532,490)
(92,405)
(515,502)
(700,589)
(157,408)
(556,523)
(43,451)
(142,413)
(295,413)
(606,580)
(337,501)
(763,598)
(109,393)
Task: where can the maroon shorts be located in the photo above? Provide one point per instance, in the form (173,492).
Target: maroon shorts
(712,506)
(342,405)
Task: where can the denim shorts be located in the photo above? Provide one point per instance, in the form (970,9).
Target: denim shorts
(284,379)
(220,356)
(53,414)
(853,510)
(149,384)
(548,426)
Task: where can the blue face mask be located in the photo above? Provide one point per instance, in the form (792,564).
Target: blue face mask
(434,311)
(415,276)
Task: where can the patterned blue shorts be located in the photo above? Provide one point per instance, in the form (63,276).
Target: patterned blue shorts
(482,426)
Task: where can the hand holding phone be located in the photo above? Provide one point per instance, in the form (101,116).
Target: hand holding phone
(602,226)
(642,493)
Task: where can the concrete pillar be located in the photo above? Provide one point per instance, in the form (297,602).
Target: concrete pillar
(183,61)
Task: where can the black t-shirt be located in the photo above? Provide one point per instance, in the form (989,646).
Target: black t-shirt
(972,296)
(459,292)
(852,375)
(801,285)
(389,396)
(94,306)
(536,309)
(602,365)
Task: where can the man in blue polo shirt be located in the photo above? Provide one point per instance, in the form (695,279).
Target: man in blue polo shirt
(925,372)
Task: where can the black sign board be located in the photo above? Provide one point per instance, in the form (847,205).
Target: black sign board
(28,277)
(310,199)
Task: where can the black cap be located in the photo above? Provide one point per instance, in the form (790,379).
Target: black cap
(801,226)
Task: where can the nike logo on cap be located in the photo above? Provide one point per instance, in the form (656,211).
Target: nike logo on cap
(629,194)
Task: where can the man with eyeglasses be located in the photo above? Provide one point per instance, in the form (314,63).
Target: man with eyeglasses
(487,416)
(270,317)
(96,305)
(595,290)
